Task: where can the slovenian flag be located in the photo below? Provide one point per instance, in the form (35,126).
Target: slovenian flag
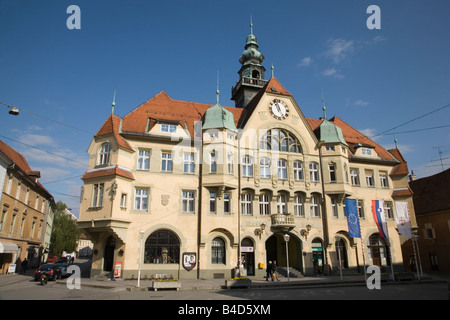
(379,217)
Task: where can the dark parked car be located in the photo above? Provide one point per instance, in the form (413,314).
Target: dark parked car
(52,271)
(62,260)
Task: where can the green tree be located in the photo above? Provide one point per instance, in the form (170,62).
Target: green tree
(65,233)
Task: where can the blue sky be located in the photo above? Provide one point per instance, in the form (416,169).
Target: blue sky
(63,80)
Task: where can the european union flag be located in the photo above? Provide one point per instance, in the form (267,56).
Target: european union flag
(352,218)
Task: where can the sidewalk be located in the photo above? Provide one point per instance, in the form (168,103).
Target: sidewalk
(257,283)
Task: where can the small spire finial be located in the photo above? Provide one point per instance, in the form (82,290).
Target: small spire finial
(272,70)
(217,91)
(251,24)
(114,102)
(323,107)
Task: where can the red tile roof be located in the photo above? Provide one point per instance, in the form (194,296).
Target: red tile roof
(353,137)
(108,171)
(112,126)
(23,165)
(162,107)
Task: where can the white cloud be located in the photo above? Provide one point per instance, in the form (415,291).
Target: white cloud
(339,49)
(361,103)
(305,62)
(36,139)
(332,72)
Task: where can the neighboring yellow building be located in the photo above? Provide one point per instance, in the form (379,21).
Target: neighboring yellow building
(26,217)
(189,189)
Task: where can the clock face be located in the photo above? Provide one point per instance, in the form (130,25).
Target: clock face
(278,109)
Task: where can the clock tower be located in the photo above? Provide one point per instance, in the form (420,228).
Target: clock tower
(251,74)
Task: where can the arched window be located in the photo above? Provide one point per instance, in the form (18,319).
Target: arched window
(218,251)
(162,246)
(280,140)
(103,155)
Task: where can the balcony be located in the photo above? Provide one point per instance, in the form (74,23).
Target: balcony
(258,83)
(283,221)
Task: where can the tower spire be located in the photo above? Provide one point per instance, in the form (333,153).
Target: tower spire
(113,103)
(323,107)
(217,91)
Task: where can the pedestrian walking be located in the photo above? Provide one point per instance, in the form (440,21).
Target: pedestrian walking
(24,266)
(274,271)
(269,271)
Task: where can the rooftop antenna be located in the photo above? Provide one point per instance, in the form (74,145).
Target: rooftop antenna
(323,107)
(217,91)
(114,102)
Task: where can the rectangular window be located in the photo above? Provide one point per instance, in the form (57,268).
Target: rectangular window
(188,201)
(247,166)
(332,169)
(168,128)
(360,207)
(226,203)
(314,207)
(166,162)
(366,152)
(212,202)
(123,200)
(334,207)
(354,176)
(189,163)
(230,163)
(141,199)
(213,162)
(299,208)
(389,213)
(264,167)
(282,169)
(143,160)
(369,178)
(298,170)
(384,180)
(264,204)
(314,171)
(281,204)
(246,204)
(97,195)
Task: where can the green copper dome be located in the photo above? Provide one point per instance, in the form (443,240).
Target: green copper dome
(217,117)
(330,133)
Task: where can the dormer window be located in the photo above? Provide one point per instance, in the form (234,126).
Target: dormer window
(103,155)
(366,151)
(170,128)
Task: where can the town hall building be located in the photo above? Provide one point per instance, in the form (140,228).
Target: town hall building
(200,191)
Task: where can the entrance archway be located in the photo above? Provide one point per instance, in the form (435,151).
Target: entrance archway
(276,250)
(341,253)
(248,257)
(378,250)
(108,259)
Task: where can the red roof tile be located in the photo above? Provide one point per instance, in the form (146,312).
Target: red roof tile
(108,171)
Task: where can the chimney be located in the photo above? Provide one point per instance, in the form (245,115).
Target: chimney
(412,176)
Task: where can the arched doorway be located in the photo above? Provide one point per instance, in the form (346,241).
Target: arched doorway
(276,250)
(108,259)
(248,256)
(378,250)
(341,253)
(318,255)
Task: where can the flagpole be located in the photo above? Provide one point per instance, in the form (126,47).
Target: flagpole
(362,248)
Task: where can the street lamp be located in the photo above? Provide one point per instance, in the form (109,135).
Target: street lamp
(141,237)
(286,239)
